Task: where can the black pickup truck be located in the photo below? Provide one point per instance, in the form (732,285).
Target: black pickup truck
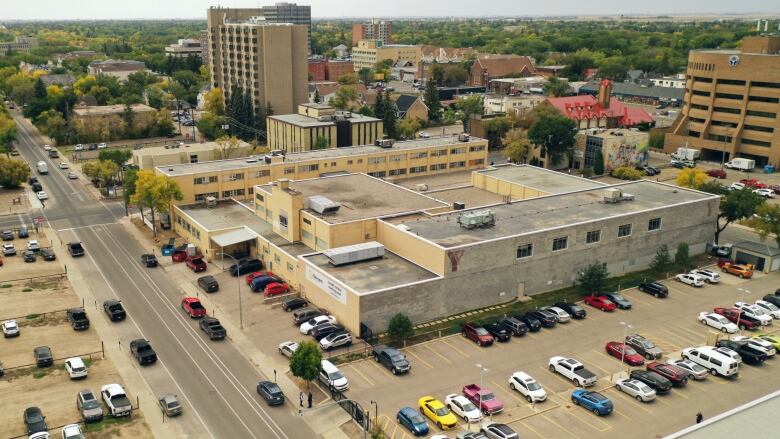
(749,354)
(142,351)
(78,319)
(392,359)
(212,328)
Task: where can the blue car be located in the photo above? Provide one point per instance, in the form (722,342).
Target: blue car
(260,282)
(409,418)
(593,401)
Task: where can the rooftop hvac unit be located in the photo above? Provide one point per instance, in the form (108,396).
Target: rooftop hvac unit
(322,205)
(355,253)
(276,152)
(211,202)
(463,137)
(326,118)
(267,159)
(404,227)
(477,219)
(422,187)
(457,205)
(612,195)
(384,143)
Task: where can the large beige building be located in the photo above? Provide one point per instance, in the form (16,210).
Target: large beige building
(149,158)
(268,61)
(732,103)
(301,131)
(102,120)
(19,45)
(236,178)
(370,52)
(119,69)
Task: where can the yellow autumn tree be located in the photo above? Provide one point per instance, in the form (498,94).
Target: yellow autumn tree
(691,178)
(155,192)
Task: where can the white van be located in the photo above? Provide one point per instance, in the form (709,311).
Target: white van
(330,375)
(713,359)
(43,168)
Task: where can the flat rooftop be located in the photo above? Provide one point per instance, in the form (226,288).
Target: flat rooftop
(301,120)
(545,180)
(470,195)
(533,215)
(378,274)
(321,154)
(226,215)
(103,110)
(753,419)
(360,196)
(197,147)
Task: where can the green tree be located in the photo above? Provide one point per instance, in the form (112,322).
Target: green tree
(348,79)
(627,173)
(454,75)
(321,143)
(431,99)
(593,278)
(662,262)
(389,117)
(735,206)
(713,187)
(657,139)
(516,145)
(767,222)
(613,68)
(128,117)
(407,128)
(400,327)
(556,87)
(155,192)
(495,129)
(554,133)
(306,361)
(467,107)
(366,75)
(8,131)
(344,97)
(682,258)
(598,166)
(118,156)
(128,186)
(380,106)
(437,74)
(214,102)
(227,146)
(13,172)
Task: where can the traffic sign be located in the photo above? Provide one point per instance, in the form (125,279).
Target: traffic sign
(39,220)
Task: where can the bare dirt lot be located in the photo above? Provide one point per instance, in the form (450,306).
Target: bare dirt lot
(35,297)
(14,201)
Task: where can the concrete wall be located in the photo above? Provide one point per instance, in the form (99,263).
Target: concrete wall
(503,187)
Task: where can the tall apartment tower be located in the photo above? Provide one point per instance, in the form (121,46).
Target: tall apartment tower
(373,30)
(268,61)
(732,103)
(289,13)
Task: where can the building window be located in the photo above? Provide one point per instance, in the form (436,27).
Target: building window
(277,259)
(261,173)
(419,155)
(306,235)
(199,198)
(593,236)
(439,153)
(283,221)
(397,157)
(458,150)
(654,224)
(349,162)
(375,160)
(761,114)
(525,251)
(378,174)
(289,170)
(726,110)
(476,162)
(560,243)
(308,168)
(457,165)
(396,172)
(321,244)
(476,148)
(760,128)
(307,221)
(756,142)
(729,96)
(206,180)
(260,197)
(439,167)
(233,193)
(764,99)
(290,267)
(701,93)
(418,169)
(624,230)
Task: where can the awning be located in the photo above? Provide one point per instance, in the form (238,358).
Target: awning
(234,237)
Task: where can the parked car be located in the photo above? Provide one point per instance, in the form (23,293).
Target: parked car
(717,321)
(483,398)
(462,407)
(477,334)
(89,407)
(304,314)
(717,173)
(33,245)
(43,356)
(142,351)
(600,302)
(251,276)
(307,327)
(245,267)
(754,312)
(495,430)
(275,289)
(773,299)
(752,183)
(270,392)
(149,260)
(527,386)
(29,256)
(636,389)
(534,325)
(736,186)
(619,300)
(78,319)
(561,316)
(572,370)
(212,328)
(694,371)
(412,421)
(769,308)
(437,412)
(644,346)
(498,331)
(391,358)
(737,319)
(757,344)
(625,353)
(34,421)
(259,283)
(656,382)
(599,404)
(10,329)
(114,310)
(293,304)
(193,307)
(48,254)
(42,195)
(287,348)
(654,288)
(677,376)
(75,368)
(764,192)
(743,271)
(196,264)
(772,339)
(708,276)
(75,249)
(8,235)
(690,279)
(169,404)
(208,284)
(749,354)
(9,250)
(336,339)
(323,330)
(23,232)
(547,318)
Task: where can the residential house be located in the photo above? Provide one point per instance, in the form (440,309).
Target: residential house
(487,67)
(410,107)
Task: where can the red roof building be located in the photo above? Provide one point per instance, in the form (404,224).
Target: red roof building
(600,112)
(488,67)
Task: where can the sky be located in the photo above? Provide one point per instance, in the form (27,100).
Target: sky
(123,9)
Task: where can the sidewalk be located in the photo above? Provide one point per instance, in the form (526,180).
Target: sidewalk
(324,422)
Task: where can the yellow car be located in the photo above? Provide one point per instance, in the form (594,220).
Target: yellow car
(771,338)
(437,412)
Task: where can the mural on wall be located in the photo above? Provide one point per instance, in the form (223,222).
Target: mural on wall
(620,155)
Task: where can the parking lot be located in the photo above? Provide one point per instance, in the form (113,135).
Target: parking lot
(441,367)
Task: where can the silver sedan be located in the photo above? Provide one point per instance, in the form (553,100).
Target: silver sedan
(636,389)
(693,370)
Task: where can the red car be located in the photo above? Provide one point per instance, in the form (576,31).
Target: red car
(753,183)
(193,307)
(251,276)
(600,302)
(627,353)
(275,288)
(775,187)
(717,173)
(196,264)
(179,254)
(477,334)
(677,376)
(722,262)
(733,314)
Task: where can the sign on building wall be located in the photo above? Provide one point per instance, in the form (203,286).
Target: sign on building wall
(326,284)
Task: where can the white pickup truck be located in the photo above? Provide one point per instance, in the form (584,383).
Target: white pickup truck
(573,370)
(116,400)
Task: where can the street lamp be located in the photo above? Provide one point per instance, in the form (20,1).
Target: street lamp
(482,371)
(739,312)
(623,351)
(238,282)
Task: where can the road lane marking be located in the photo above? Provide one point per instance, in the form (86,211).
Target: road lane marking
(419,358)
(621,414)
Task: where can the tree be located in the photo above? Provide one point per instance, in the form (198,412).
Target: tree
(469,106)
(454,74)
(682,258)
(214,102)
(321,142)
(348,79)
(226,146)
(343,97)
(317,98)
(128,115)
(713,187)
(155,192)
(556,87)
(306,361)
(593,278)
(767,222)
(117,156)
(366,75)
(8,131)
(379,107)
(516,145)
(662,262)
(598,166)
(389,117)
(13,172)
(495,129)
(613,68)
(735,206)
(431,99)
(128,186)
(400,327)
(437,74)
(691,178)
(554,132)
(407,128)
(627,173)
(657,139)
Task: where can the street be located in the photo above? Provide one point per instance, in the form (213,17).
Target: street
(215,381)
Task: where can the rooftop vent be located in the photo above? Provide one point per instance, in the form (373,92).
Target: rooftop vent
(355,253)
(322,205)
(463,137)
(615,195)
(325,118)
(422,187)
(211,202)
(477,219)
(384,143)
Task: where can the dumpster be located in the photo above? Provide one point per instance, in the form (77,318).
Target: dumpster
(769,169)
(167,249)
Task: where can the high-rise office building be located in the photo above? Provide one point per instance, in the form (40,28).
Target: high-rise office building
(289,13)
(373,30)
(732,103)
(268,61)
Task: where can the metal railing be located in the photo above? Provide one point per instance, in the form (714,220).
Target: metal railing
(55,360)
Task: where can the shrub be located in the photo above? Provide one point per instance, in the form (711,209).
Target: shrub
(626,173)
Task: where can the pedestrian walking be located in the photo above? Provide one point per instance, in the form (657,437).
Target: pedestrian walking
(699,418)
(300,397)
(310,398)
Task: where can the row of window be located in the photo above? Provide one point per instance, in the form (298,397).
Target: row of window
(186,226)
(591,237)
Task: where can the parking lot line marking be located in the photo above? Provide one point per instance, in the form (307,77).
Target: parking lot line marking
(682,394)
(419,358)
(361,375)
(574,411)
(698,336)
(622,414)
(660,400)
(437,353)
(674,335)
(384,371)
(509,392)
(533,429)
(455,348)
(640,405)
(559,425)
